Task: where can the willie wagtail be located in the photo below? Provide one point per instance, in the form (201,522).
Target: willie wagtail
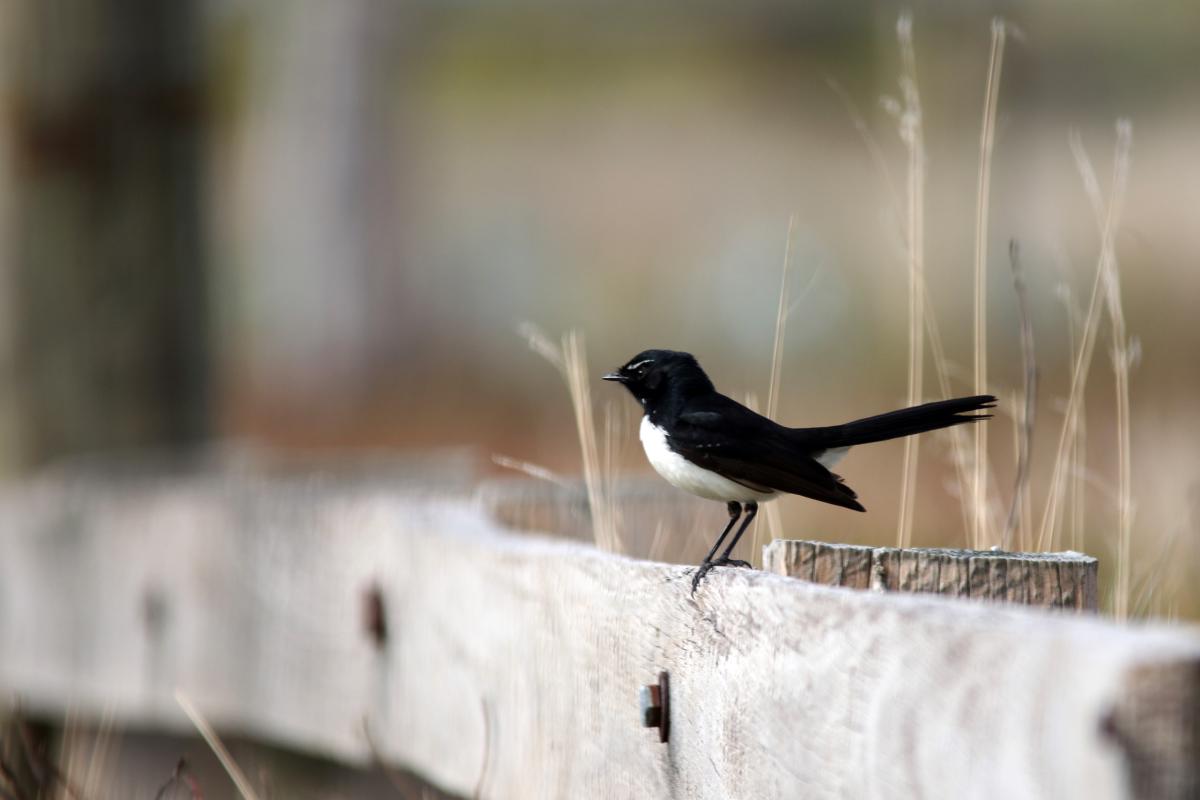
(714,447)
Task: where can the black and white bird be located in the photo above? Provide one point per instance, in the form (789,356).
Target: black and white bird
(714,447)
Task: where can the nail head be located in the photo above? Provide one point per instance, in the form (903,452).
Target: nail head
(654,700)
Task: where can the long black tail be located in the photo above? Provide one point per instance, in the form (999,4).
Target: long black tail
(905,422)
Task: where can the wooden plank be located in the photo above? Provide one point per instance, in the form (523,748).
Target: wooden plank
(643,506)
(1156,722)
(514,663)
(1048,580)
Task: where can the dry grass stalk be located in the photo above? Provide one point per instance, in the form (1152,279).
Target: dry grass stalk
(1155,592)
(937,351)
(1078,477)
(1012,526)
(531,469)
(71,756)
(214,742)
(1123,355)
(958,437)
(774,531)
(575,371)
(979,483)
(1077,454)
(614,434)
(570,358)
(774,518)
(658,546)
(780,325)
(1021,512)
(98,762)
(912,136)
(1122,360)
(1091,324)
(873,149)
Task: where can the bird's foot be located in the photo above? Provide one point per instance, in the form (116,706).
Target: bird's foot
(701,571)
(704,569)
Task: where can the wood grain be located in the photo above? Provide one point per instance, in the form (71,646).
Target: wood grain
(513,664)
(1049,580)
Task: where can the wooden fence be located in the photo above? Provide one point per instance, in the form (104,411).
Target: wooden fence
(309,613)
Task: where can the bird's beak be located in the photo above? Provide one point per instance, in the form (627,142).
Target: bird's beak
(612,376)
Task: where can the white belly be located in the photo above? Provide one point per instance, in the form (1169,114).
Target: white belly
(678,471)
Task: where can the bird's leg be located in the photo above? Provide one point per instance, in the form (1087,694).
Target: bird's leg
(725,560)
(735,511)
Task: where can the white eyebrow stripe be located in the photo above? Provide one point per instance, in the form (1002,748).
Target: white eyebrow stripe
(640,363)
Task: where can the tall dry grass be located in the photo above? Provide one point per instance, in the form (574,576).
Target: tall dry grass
(569,357)
(912,134)
(1071,453)
(1019,527)
(90,772)
(1123,349)
(922,320)
(773,515)
(1076,489)
(1109,220)
(980,532)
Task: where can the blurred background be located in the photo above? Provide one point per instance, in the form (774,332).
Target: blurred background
(315,227)
(312,229)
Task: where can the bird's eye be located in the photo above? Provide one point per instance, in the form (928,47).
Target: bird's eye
(638,370)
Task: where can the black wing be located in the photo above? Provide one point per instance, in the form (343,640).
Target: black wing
(750,449)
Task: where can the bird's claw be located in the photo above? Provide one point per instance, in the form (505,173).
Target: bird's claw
(704,569)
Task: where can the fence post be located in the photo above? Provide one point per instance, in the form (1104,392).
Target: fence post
(1047,580)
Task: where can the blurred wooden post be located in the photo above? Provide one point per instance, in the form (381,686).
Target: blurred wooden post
(1157,724)
(1049,580)
(107,293)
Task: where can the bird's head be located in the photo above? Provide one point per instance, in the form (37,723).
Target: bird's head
(652,374)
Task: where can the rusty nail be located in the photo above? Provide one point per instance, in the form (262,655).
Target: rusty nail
(656,707)
(375,616)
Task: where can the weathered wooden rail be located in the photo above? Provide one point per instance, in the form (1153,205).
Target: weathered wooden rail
(306,614)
